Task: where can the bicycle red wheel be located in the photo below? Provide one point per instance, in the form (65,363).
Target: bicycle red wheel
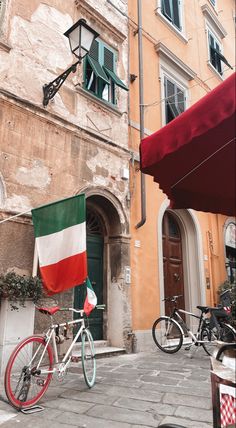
(25,383)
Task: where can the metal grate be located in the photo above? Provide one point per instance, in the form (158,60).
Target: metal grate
(93,224)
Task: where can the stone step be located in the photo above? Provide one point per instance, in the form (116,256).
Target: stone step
(101,348)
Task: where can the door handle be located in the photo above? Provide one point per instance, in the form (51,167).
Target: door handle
(176,277)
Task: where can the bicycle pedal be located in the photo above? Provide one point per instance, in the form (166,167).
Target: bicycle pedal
(187,348)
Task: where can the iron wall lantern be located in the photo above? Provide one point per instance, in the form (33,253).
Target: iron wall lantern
(81,37)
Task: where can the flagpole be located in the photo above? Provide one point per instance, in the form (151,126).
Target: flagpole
(14,216)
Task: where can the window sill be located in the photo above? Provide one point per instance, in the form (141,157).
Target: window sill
(220,76)
(177,32)
(4,46)
(109,107)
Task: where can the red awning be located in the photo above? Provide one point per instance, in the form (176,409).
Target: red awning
(193,157)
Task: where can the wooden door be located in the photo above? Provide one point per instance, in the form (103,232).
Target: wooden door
(172,260)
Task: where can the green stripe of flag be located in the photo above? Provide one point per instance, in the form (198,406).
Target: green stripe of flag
(59,215)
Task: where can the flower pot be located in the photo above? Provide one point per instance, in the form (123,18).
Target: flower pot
(15,325)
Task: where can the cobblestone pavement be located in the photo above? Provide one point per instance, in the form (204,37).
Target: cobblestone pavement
(131,391)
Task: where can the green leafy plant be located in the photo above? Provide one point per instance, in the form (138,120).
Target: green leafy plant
(17,288)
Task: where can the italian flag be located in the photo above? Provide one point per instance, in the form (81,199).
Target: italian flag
(60,232)
(91,298)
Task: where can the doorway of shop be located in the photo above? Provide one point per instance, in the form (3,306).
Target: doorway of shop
(172,260)
(95,246)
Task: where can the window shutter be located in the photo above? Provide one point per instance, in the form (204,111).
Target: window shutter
(176,19)
(212,44)
(94,50)
(166,9)
(180,100)
(170,91)
(108,59)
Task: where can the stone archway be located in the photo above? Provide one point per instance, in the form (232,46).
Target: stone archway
(194,282)
(116,258)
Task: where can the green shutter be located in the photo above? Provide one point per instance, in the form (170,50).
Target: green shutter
(97,68)
(115,79)
(93,53)
(108,59)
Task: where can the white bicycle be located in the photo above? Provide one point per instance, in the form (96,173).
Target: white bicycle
(35,360)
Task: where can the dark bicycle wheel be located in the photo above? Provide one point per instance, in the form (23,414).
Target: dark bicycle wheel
(209,336)
(25,384)
(227,333)
(167,335)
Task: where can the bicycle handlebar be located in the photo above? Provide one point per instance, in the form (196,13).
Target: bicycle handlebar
(81,311)
(54,309)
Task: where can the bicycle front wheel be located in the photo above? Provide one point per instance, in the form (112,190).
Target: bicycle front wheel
(167,335)
(27,374)
(88,358)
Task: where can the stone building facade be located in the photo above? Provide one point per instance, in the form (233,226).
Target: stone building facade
(78,144)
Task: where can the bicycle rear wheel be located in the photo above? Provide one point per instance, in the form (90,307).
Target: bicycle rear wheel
(209,336)
(227,333)
(88,358)
(167,335)
(24,383)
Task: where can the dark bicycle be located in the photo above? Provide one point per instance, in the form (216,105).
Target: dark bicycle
(169,332)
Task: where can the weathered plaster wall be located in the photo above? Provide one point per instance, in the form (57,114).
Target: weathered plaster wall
(41,161)
(78,143)
(39,52)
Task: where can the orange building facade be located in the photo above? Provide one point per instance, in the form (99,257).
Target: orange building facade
(187,48)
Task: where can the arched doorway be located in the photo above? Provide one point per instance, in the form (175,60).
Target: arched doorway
(172,259)
(108,251)
(95,248)
(192,257)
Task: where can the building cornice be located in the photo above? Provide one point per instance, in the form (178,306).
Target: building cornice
(214,21)
(176,62)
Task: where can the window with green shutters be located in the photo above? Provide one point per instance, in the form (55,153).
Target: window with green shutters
(171,9)
(100,72)
(214,48)
(174,100)
(216,56)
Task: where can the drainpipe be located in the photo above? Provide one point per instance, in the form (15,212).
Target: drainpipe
(141,111)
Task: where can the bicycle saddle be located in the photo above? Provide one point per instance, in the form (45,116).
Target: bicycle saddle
(49,311)
(204,309)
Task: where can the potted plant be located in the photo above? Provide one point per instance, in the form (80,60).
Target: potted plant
(19,288)
(18,293)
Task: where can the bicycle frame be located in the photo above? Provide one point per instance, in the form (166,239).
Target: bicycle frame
(190,333)
(51,335)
